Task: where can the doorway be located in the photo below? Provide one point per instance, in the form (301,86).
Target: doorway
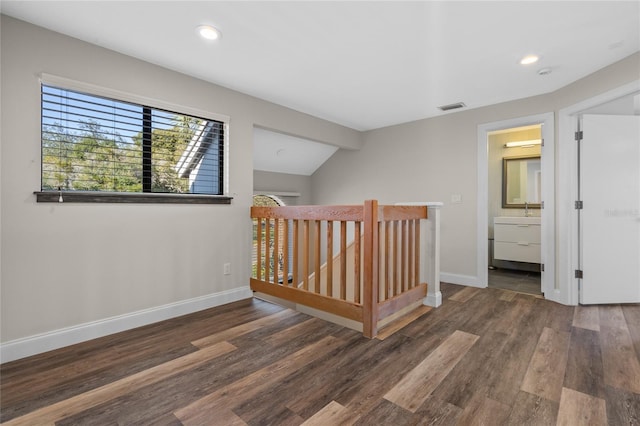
(545,122)
(514,214)
(569,236)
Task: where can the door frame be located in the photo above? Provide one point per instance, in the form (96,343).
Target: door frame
(548,195)
(567,190)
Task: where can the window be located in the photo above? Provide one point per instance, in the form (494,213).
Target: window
(275,258)
(103,146)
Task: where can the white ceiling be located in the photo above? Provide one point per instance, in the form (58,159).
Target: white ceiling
(275,152)
(362,64)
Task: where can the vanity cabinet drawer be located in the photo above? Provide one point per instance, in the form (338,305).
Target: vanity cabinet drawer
(517,252)
(516,233)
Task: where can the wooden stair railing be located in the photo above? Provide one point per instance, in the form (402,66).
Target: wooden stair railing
(380,278)
(331,271)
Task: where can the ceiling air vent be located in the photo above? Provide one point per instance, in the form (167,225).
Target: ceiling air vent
(452,106)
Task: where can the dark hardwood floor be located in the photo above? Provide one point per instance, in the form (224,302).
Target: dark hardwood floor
(486,356)
(515,280)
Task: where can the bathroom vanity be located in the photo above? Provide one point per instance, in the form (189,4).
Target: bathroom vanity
(517,239)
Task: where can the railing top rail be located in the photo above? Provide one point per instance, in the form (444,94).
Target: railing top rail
(338,213)
(346,213)
(386,213)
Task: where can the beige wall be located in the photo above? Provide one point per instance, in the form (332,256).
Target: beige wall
(433,159)
(426,160)
(269,182)
(71,264)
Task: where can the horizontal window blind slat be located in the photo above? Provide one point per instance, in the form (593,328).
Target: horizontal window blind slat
(78,97)
(96,143)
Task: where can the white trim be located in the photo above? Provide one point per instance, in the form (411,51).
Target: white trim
(433,300)
(467,280)
(482,231)
(548,195)
(548,229)
(32,345)
(226,161)
(277,193)
(434,204)
(568,260)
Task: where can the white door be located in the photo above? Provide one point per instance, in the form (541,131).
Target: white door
(610,218)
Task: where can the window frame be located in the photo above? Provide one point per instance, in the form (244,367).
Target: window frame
(63,196)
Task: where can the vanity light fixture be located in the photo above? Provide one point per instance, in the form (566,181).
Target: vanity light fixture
(208,32)
(523,143)
(529,59)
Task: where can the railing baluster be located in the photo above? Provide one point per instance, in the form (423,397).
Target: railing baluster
(285,254)
(276,251)
(305,260)
(267,256)
(343,260)
(296,253)
(387,261)
(330,258)
(403,255)
(417,254)
(356,264)
(380,259)
(396,265)
(317,238)
(410,256)
(259,249)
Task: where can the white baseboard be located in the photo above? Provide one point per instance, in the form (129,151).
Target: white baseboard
(467,280)
(32,345)
(433,300)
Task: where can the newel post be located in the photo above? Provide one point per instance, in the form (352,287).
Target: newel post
(370,273)
(430,250)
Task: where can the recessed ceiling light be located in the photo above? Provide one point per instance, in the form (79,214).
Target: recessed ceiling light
(529,59)
(208,32)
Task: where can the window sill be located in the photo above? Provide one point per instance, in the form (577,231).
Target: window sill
(128,197)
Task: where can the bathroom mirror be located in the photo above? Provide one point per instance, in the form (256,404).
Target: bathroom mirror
(521,182)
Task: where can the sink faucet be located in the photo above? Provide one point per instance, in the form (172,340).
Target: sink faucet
(526,209)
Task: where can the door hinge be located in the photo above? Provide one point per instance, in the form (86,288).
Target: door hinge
(579,205)
(541,142)
(579,135)
(542,204)
(579,273)
(542,267)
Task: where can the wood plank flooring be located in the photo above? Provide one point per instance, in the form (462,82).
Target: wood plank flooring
(515,280)
(486,356)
